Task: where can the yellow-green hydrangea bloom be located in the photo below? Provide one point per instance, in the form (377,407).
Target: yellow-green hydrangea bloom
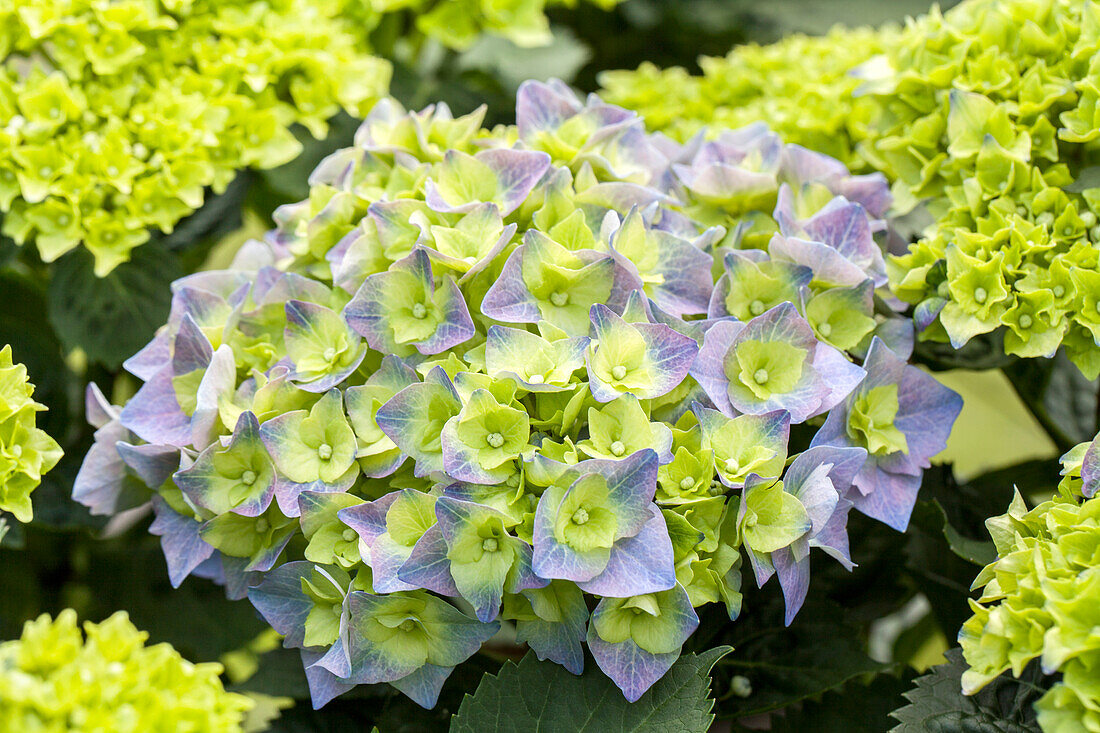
(457,24)
(800,86)
(26,452)
(116,118)
(54,678)
(1041,598)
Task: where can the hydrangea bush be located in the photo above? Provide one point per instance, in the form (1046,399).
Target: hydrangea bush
(564,375)
(986,115)
(55,678)
(1040,597)
(26,452)
(115,118)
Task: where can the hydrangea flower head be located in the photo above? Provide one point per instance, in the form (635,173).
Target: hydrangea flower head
(26,452)
(1040,598)
(493,379)
(109,135)
(56,678)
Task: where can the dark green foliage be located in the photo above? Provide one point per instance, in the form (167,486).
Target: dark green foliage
(937,705)
(544,696)
(111,318)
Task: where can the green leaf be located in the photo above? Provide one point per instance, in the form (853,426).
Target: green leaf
(111,318)
(1089,177)
(857,707)
(937,705)
(534,695)
(820,651)
(512,65)
(23,324)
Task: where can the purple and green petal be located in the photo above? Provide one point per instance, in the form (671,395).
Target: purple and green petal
(414,419)
(322,349)
(644,359)
(280,600)
(183,546)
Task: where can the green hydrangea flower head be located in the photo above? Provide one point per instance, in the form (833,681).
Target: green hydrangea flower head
(117,119)
(26,453)
(1041,598)
(56,678)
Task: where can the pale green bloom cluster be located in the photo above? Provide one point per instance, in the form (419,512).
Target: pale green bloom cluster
(115,118)
(988,113)
(53,679)
(25,451)
(800,86)
(458,24)
(1041,600)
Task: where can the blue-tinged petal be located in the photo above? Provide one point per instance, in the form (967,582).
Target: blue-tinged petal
(287,492)
(154,414)
(102,482)
(708,369)
(184,550)
(153,357)
(536,364)
(508,299)
(615,367)
(415,416)
(544,106)
(280,600)
(152,464)
(323,684)
(516,173)
(559,630)
(191,349)
(640,564)
(1090,469)
(794,579)
(829,267)
(631,668)
(427,565)
(423,685)
(404,297)
(368,520)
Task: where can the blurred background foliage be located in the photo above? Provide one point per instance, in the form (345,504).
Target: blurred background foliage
(848,656)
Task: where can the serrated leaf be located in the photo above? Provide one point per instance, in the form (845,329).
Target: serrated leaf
(111,318)
(937,705)
(534,695)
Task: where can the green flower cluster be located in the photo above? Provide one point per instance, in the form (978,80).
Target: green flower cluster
(800,85)
(989,114)
(53,679)
(1041,598)
(458,24)
(25,451)
(115,118)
